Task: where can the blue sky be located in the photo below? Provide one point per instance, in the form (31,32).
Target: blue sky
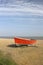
(21,18)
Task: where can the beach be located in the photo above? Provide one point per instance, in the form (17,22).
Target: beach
(23,55)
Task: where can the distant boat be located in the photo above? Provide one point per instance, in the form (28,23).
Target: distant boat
(24,41)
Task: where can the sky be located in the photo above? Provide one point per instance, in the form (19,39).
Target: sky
(21,18)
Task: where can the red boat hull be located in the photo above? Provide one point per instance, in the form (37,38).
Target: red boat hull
(22,41)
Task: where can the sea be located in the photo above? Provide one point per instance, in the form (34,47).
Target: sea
(29,37)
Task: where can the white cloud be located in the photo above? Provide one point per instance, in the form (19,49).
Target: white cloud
(18,9)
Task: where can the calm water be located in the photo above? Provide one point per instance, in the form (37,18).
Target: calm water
(37,38)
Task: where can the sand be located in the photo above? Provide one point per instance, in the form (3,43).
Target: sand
(23,55)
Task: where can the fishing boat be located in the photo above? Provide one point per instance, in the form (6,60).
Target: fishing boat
(24,41)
